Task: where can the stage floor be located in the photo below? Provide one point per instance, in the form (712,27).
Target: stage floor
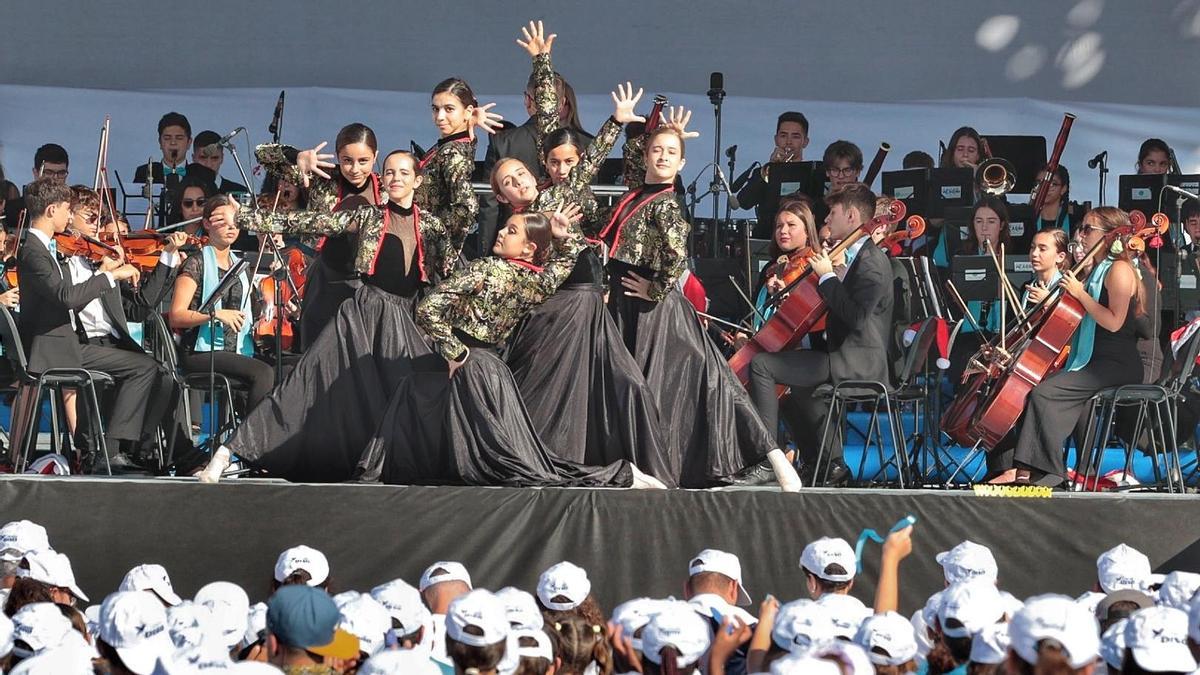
(631,542)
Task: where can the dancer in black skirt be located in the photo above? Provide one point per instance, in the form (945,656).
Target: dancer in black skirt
(313,427)
(586,395)
(334,275)
(477,431)
(714,429)
(1103,353)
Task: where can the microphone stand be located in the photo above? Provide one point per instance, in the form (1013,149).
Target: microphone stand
(732,154)
(716,96)
(1103,167)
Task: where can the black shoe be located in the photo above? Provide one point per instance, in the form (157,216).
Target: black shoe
(754,475)
(121,464)
(837,474)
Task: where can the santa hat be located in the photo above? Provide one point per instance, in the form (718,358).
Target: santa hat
(941,340)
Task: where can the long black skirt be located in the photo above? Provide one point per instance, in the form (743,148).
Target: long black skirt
(711,423)
(315,424)
(324,292)
(585,394)
(474,429)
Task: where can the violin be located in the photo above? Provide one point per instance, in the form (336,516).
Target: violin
(993,397)
(143,249)
(74,243)
(294,279)
(799,305)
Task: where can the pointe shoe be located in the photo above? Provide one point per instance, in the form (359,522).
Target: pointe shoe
(642,481)
(785,473)
(216,466)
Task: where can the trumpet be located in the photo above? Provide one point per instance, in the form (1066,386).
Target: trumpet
(995,177)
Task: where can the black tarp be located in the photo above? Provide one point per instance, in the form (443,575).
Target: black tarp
(631,542)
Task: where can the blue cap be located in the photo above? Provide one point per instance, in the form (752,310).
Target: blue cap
(306,617)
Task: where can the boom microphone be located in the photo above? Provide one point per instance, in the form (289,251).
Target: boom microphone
(229,136)
(733,201)
(1097,160)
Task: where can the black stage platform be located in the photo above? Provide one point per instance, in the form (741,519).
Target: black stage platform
(631,542)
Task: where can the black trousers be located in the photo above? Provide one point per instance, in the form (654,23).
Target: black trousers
(803,371)
(142,389)
(258,376)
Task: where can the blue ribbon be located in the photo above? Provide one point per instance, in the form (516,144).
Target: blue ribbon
(873,535)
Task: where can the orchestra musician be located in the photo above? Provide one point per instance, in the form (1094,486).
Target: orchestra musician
(1056,213)
(1154,157)
(988,233)
(791,138)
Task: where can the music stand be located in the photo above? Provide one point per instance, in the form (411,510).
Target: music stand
(1140,191)
(1027,154)
(787,178)
(974,276)
(231,277)
(910,186)
(950,188)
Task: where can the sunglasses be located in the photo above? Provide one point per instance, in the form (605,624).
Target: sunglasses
(189,203)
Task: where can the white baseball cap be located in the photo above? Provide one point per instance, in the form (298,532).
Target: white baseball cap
(66,660)
(256,624)
(6,636)
(541,649)
(1090,600)
(633,615)
(1112,645)
(712,560)
(802,626)
(1177,590)
(40,626)
(678,626)
(404,605)
(1056,617)
(302,558)
(20,537)
(967,561)
(399,662)
(888,639)
(190,624)
(484,611)
(826,551)
(521,609)
(151,577)
(135,624)
(51,568)
(230,607)
(566,580)
(344,598)
(973,604)
(444,570)
(1122,567)
(207,657)
(846,612)
(368,620)
(804,664)
(990,645)
(1157,639)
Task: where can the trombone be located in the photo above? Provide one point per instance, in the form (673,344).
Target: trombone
(995,176)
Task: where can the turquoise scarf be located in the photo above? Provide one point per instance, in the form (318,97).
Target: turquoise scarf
(212,277)
(1085,337)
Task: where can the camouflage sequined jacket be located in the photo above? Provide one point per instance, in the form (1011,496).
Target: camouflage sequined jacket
(489,297)
(368,222)
(446,191)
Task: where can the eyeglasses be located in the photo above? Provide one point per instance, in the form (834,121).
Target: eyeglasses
(841,172)
(54,173)
(1088,229)
(189,203)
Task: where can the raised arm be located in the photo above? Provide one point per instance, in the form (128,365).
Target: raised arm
(545,93)
(624,104)
(308,222)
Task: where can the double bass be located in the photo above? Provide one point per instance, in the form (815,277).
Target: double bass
(991,401)
(799,305)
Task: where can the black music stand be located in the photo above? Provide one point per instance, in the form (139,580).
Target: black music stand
(206,307)
(974,277)
(1027,154)
(1140,191)
(910,186)
(787,178)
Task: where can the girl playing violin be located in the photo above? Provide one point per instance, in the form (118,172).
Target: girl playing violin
(1103,352)
(794,239)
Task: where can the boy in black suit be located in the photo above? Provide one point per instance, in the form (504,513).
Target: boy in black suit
(48,320)
(856,334)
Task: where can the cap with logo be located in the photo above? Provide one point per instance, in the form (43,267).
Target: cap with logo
(968,607)
(152,578)
(967,561)
(633,615)
(304,558)
(135,625)
(305,617)
(230,608)
(20,537)
(51,568)
(990,645)
(1122,567)
(727,564)
(678,626)
(482,611)
(368,620)
(802,626)
(38,627)
(403,603)
(444,570)
(1059,618)
(1157,639)
(521,609)
(190,624)
(826,551)
(564,580)
(888,639)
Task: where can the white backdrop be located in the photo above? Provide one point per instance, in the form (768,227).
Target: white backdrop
(30,116)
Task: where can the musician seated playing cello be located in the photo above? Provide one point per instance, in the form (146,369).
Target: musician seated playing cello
(858,324)
(1102,354)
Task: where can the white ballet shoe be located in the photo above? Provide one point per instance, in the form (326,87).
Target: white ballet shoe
(216,466)
(785,473)
(642,481)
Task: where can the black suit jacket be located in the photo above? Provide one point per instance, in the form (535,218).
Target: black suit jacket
(47,297)
(124,301)
(860,318)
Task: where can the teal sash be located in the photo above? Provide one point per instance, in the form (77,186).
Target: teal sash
(212,277)
(1085,337)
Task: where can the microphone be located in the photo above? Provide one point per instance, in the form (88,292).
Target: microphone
(1182,193)
(716,87)
(1098,159)
(743,177)
(733,201)
(277,117)
(731,152)
(229,136)
(941,148)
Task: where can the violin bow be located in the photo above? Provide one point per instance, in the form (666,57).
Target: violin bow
(1006,288)
(746,299)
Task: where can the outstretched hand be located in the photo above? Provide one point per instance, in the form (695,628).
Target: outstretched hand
(483,117)
(677,118)
(563,216)
(536,42)
(314,161)
(625,102)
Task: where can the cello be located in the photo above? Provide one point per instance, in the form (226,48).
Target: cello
(994,396)
(799,305)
